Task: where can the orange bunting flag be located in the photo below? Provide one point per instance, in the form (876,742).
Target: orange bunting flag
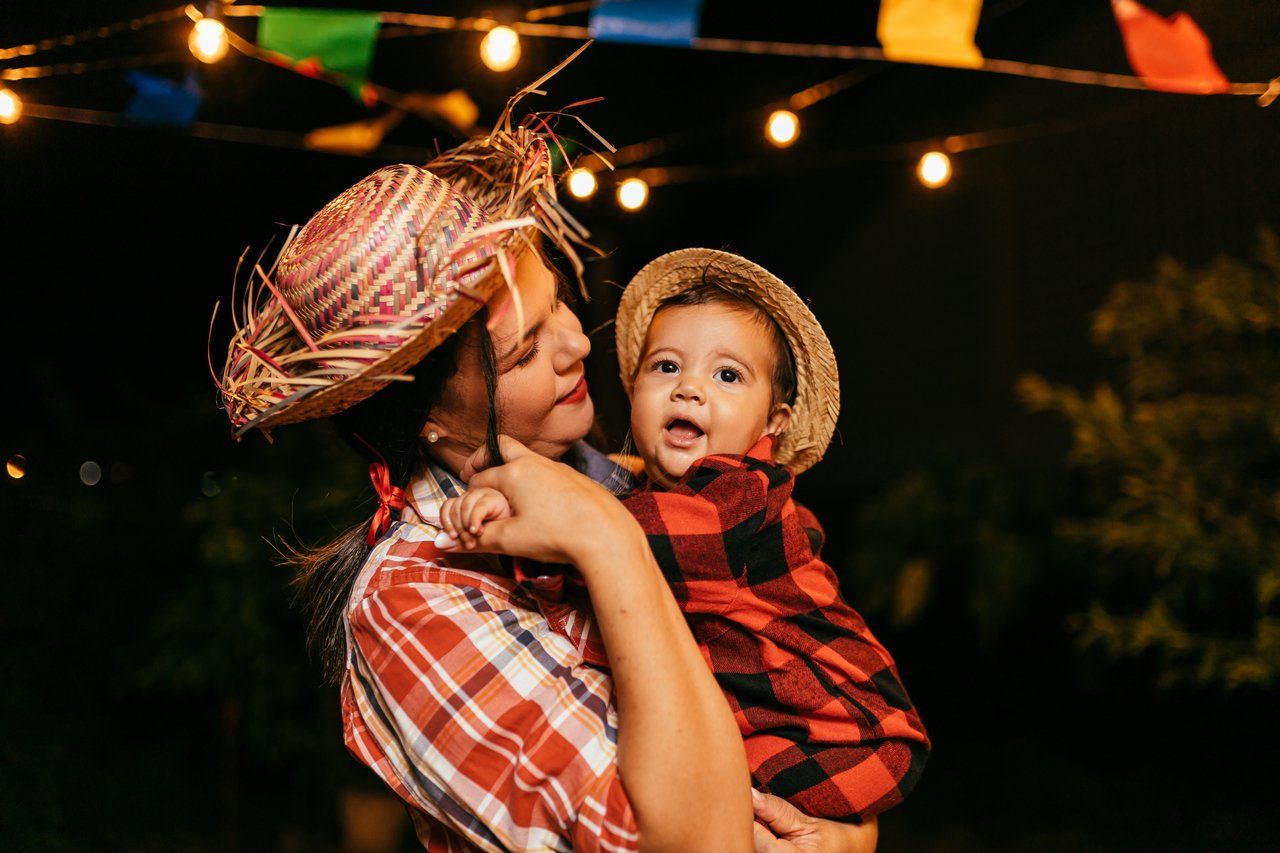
(1172,55)
(357,138)
(931,32)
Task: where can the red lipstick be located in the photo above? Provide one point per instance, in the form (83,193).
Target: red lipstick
(576,395)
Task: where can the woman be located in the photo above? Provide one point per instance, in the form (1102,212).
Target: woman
(466,691)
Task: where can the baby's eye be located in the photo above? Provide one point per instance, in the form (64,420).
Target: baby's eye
(666,365)
(728,374)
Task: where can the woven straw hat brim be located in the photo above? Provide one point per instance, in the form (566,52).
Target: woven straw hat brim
(817,399)
(309,404)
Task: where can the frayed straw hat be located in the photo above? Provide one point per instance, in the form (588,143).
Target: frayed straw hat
(817,402)
(387,271)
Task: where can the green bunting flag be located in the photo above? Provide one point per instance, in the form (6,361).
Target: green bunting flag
(311,41)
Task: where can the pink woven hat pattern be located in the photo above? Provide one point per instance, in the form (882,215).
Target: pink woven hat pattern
(817,399)
(384,273)
(347,305)
(389,269)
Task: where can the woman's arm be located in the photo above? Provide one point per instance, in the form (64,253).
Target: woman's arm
(680,755)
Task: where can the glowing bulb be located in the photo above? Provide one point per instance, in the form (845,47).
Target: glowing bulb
(934,169)
(17,466)
(10,106)
(582,183)
(208,40)
(633,193)
(500,49)
(782,128)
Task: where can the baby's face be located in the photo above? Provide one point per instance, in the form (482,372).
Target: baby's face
(704,386)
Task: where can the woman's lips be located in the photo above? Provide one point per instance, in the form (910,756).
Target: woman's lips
(576,394)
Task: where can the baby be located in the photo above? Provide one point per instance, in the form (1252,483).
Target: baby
(729,400)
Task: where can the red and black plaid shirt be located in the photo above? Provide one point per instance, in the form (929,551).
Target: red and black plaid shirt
(826,721)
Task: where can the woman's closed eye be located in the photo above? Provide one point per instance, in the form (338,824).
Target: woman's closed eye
(530,355)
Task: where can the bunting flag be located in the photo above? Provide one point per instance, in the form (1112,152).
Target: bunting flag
(454,107)
(311,41)
(669,22)
(161,102)
(1172,55)
(357,138)
(932,32)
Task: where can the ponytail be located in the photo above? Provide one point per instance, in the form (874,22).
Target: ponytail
(385,428)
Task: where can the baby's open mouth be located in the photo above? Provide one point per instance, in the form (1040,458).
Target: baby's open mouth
(682,433)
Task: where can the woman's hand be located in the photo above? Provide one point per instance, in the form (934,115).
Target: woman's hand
(782,828)
(557,514)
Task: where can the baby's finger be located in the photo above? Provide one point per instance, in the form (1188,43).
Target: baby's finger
(491,505)
(446,522)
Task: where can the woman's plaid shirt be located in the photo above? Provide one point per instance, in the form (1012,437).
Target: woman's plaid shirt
(473,701)
(826,721)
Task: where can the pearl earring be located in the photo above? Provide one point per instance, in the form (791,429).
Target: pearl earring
(433,436)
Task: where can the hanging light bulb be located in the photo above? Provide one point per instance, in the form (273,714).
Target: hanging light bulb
(632,194)
(500,49)
(582,183)
(10,106)
(934,169)
(782,128)
(208,40)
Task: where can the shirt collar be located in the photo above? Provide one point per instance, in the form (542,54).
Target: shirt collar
(436,484)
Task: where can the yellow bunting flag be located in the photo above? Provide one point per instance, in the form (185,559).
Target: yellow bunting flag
(932,32)
(357,138)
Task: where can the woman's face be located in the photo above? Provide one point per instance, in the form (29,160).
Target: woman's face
(542,389)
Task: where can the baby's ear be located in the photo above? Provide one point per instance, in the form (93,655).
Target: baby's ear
(779,420)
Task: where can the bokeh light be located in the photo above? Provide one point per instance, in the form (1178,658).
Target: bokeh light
(934,169)
(500,49)
(783,128)
(632,194)
(582,183)
(10,106)
(16,466)
(208,40)
(91,473)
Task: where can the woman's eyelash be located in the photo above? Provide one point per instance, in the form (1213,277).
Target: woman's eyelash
(529,356)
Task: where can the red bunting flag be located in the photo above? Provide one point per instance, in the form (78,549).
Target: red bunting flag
(1172,55)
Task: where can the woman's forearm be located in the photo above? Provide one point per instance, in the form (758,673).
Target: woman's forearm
(680,754)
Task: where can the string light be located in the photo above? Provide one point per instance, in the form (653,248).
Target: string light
(10,106)
(632,194)
(582,183)
(500,49)
(16,466)
(208,40)
(934,169)
(782,128)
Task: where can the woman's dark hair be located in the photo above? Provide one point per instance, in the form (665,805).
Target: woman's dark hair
(386,427)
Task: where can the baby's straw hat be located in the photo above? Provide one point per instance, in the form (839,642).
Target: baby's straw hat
(387,271)
(817,401)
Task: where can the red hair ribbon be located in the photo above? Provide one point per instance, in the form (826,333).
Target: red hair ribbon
(389,498)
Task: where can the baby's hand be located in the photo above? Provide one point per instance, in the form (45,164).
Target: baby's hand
(462,519)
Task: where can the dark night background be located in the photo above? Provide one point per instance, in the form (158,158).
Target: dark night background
(156,690)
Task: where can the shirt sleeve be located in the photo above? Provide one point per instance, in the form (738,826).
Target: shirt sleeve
(489,720)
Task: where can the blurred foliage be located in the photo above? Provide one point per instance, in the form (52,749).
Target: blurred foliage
(1182,456)
(229,632)
(955,535)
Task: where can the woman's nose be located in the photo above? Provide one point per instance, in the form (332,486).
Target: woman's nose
(574,345)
